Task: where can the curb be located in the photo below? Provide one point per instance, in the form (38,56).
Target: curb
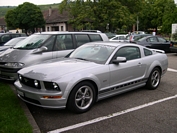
(27,113)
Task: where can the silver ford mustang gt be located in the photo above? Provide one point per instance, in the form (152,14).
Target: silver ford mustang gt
(92,72)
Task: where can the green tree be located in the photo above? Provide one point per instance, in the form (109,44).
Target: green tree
(98,14)
(26,16)
(169,17)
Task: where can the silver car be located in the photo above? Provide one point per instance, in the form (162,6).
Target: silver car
(92,72)
(40,47)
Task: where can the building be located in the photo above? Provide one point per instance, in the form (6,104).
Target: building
(56,21)
(2,25)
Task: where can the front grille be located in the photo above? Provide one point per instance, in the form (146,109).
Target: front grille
(10,70)
(29,82)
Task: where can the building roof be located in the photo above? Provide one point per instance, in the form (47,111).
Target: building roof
(54,16)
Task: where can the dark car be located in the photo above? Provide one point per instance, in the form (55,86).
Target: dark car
(5,37)
(135,37)
(155,42)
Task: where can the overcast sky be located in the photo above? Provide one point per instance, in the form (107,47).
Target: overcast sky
(36,2)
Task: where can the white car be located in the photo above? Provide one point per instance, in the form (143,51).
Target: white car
(118,38)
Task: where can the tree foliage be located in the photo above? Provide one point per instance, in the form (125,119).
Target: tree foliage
(121,14)
(26,16)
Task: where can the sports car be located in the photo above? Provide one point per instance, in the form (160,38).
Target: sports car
(94,71)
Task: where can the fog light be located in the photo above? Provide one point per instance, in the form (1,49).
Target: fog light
(20,77)
(55,86)
(36,83)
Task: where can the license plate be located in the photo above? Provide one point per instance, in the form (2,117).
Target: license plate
(20,93)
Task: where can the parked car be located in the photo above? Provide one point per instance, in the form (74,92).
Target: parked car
(92,72)
(11,43)
(43,46)
(155,42)
(119,38)
(5,37)
(135,37)
(173,47)
(110,34)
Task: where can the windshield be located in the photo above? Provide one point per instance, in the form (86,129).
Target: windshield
(97,53)
(13,41)
(32,42)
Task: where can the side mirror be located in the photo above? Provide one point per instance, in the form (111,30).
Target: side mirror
(119,60)
(40,50)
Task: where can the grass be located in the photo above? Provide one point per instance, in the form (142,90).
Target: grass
(12,116)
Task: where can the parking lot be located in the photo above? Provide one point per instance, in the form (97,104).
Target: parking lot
(137,111)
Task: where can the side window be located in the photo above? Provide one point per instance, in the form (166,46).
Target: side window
(63,42)
(81,39)
(129,52)
(147,52)
(116,38)
(15,35)
(121,38)
(152,39)
(49,43)
(95,37)
(5,38)
(161,39)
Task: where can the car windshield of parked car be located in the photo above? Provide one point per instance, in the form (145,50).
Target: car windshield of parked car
(32,42)
(12,42)
(97,53)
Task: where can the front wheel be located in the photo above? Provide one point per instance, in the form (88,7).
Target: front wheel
(154,79)
(82,97)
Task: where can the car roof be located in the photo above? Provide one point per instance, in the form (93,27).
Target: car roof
(66,32)
(114,43)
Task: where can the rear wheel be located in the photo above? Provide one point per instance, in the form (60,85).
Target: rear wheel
(82,97)
(154,79)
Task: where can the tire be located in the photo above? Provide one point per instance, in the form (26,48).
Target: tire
(154,79)
(82,97)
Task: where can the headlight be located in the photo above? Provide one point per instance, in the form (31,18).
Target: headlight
(14,64)
(51,86)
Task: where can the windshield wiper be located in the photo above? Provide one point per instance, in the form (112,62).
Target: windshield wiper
(82,59)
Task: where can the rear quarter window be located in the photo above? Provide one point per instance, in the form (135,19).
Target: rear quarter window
(95,37)
(147,52)
(81,39)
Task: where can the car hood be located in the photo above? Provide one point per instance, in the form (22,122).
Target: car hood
(2,48)
(49,71)
(13,55)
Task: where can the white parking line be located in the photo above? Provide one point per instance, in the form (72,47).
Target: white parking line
(172,70)
(110,115)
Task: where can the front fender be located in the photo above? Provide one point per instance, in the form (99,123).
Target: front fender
(67,87)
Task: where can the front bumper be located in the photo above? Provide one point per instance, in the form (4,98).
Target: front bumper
(8,74)
(35,97)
